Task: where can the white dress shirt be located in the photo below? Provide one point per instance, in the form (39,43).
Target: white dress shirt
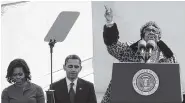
(68,84)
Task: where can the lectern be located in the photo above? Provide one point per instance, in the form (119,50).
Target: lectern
(145,83)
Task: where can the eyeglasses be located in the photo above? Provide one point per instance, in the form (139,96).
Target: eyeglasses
(154,30)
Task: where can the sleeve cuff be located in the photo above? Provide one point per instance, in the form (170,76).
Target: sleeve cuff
(110,24)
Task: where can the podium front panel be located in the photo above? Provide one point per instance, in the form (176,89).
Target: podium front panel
(168,90)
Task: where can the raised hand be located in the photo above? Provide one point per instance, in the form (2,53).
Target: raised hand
(108,14)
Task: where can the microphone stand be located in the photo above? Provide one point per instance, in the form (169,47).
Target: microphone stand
(145,58)
(143,54)
(50,92)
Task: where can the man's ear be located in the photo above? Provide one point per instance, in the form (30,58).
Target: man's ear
(64,67)
(80,67)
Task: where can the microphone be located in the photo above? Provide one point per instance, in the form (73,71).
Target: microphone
(150,46)
(142,46)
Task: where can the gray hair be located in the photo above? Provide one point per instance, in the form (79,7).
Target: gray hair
(150,23)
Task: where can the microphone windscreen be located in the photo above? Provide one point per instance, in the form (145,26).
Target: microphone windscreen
(151,44)
(142,44)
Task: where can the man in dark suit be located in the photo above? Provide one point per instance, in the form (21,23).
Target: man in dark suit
(72,89)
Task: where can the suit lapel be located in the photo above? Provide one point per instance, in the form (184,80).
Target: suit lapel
(79,90)
(64,91)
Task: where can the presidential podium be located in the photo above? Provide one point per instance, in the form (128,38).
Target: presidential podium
(145,83)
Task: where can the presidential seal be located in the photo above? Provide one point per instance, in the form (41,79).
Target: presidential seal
(145,82)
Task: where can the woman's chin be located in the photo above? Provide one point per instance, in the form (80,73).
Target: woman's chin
(18,83)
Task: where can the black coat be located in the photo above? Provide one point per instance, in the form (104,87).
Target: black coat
(85,92)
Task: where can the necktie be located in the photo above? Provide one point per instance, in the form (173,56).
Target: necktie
(72,93)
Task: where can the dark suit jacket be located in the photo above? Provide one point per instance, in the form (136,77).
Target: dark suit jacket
(84,92)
